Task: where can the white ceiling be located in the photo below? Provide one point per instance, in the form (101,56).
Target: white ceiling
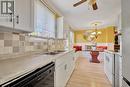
(83,16)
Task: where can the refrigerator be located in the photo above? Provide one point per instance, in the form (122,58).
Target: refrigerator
(126,41)
(117,71)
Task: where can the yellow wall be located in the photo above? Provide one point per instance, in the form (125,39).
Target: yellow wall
(107,36)
(79,37)
(110,34)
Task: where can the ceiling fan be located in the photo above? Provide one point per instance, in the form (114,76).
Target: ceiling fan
(91,2)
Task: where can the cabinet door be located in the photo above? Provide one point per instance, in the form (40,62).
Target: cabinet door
(6,14)
(6,21)
(126,39)
(60,76)
(105,67)
(73,59)
(24,15)
(120,70)
(70,64)
(108,65)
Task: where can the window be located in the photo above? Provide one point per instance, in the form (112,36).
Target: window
(45,21)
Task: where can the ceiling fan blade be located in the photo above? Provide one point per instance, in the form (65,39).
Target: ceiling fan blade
(91,2)
(80,2)
(95,7)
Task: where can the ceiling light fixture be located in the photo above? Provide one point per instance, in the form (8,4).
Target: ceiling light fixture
(96,33)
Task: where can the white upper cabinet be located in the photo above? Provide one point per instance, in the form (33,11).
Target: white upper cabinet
(6,21)
(60,31)
(23,15)
(21,19)
(6,14)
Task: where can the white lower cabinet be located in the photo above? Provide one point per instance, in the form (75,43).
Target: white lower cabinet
(70,64)
(64,68)
(60,76)
(108,65)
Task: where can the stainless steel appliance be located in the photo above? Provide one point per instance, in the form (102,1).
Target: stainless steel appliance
(126,83)
(126,41)
(42,77)
(116,71)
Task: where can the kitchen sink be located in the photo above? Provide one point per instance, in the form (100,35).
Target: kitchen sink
(52,53)
(59,51)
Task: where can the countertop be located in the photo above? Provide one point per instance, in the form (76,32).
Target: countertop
(113,52)
(20,66)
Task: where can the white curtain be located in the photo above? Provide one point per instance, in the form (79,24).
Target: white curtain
(45,21)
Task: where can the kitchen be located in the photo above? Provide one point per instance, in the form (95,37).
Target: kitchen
(48,43)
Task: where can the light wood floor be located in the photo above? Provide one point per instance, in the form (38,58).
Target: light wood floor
(88,74)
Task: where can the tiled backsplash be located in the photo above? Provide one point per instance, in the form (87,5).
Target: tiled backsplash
(11,43)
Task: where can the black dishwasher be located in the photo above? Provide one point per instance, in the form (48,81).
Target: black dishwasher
(42,77)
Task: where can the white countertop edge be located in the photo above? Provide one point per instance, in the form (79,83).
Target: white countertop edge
(112,52)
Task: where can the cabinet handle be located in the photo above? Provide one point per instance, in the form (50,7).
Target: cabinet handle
(50,71)
(17,19)
(65,67)
(11,17)
(107,58)
(73,59)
